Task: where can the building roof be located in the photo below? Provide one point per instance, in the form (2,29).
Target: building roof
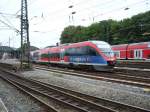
(6,49)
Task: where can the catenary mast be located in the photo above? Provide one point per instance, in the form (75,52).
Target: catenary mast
(25,44)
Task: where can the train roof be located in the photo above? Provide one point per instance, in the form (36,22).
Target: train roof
(92,41)
(133,44)
(55,48)
(99,42)
(140,45)
(119,45)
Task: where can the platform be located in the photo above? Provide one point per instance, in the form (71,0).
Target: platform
(11,64)
(10,61)
(2,107)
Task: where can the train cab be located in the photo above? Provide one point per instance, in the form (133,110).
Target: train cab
(107,55)
(106,51)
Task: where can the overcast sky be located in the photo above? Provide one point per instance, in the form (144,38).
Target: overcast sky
(47,18)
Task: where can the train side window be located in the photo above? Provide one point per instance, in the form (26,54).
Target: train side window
(85,50)
(81,51)
(62,53)
(36,54)
(117,54)
(92,52)
(72,51)
(44,55)
(51,55)
(78,51)
(138,54)
(57,55)
(135,54)
(67,52)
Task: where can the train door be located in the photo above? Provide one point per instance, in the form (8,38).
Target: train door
(138,54)
(62,52)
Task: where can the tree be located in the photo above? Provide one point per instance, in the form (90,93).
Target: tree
(129,30)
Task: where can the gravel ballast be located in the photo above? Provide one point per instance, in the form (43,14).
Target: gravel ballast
(117,92)
(16,101)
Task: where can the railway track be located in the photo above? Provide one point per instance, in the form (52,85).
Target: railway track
(36,99)
(78,101)
(133,71)
(133,64)
(130,79)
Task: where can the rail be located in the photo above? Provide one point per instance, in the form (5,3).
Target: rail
(76,100)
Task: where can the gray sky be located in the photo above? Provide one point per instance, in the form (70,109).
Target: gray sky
(47,18)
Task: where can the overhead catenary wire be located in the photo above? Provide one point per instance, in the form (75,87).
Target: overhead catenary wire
(94,6)
(10,27)
(83,2)
(76,5)
(28,6)
(58,17)
(8,14)
(104,13)
(66,8)
(6,19)
(117,9)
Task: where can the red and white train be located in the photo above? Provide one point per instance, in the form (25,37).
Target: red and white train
(95,54)
(132,51)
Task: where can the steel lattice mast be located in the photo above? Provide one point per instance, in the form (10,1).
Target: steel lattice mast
(25,44)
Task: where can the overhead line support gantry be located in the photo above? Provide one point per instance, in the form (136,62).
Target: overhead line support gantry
(25,44)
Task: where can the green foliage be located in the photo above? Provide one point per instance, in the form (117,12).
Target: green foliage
(134,29)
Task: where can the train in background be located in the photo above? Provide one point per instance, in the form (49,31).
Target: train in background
(134,51)
(95,54)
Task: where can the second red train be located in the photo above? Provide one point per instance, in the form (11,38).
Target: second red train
(138,51)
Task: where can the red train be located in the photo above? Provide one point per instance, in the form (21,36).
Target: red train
(132,51)
(95,54)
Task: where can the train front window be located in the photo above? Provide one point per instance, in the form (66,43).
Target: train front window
(106,49)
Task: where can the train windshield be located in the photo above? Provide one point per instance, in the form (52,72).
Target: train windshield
(107,51)
(105,48)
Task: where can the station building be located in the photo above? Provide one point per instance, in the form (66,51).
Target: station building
(7,52)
